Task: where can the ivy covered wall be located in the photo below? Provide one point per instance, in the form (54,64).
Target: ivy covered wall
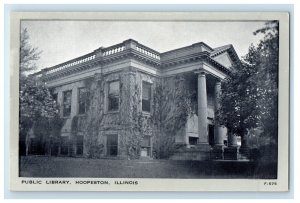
(129,122)
(173,100)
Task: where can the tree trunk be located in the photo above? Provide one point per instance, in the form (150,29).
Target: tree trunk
(27,144)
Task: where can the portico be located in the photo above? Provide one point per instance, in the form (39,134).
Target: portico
(219,131)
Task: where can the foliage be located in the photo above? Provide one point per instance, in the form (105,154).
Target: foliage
(136,125)
(134,132)
(250,95)
(36,102)
(28,54)
(267,54)
(94,117)
(238,101)
(74,125)
(37,108)
(174,101)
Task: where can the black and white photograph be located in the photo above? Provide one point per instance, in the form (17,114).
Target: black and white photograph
(117,101)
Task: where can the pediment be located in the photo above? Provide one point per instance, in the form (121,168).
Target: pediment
(224,59)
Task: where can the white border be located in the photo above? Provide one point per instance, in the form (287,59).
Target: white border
(190,185)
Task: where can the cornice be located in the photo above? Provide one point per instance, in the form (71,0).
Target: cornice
(101,61)
(70,71)
(131,49)
(202,56)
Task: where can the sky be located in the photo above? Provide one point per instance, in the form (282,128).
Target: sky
(60,41)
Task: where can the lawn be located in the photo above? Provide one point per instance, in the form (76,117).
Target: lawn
(39,166)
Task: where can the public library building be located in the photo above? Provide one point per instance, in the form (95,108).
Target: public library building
(101,95)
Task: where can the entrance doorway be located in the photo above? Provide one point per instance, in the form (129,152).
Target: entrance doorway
(112,145)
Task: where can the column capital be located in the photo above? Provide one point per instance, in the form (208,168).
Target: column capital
(200,72)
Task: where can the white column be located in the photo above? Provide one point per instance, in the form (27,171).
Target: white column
(232,141)
(219,131)
(202,109)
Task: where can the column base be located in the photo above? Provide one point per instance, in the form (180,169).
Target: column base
(217,152)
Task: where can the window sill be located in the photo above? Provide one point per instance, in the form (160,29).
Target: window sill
(112,112)
(146,113)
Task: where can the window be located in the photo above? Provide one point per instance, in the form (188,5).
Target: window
(112,145)
(83,100)
(67,103)
(145,146)
(146,96)
(193,140)
(113,96)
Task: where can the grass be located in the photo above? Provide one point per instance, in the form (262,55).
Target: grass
(39,166)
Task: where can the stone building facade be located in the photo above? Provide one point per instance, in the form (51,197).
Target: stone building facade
(119,99)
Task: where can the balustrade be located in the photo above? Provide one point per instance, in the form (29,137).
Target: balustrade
(70,64)
(113,50)
(147,52)
(105,52)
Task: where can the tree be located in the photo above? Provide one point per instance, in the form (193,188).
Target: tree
(38,111)
(238,101)
(267,54)
(250,94)
(28,54)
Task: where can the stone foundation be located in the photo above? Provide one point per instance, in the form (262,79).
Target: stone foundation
(200,152)
(217,152)
(244,153)
(231,153)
